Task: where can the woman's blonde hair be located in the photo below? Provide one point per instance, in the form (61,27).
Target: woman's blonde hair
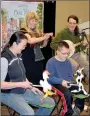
(31,15)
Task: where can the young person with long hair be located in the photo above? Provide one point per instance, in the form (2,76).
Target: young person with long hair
(32,55)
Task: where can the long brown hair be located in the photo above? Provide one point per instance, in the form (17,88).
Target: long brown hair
(76,31)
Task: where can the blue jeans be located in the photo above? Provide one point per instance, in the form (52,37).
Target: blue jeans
(19,103)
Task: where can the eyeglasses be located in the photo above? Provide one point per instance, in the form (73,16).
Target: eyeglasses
(65,53)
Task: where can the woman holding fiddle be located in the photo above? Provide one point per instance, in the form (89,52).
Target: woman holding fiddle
(32,55)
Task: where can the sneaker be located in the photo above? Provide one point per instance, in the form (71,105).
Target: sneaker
(73,105)
(85,107)
(76,112)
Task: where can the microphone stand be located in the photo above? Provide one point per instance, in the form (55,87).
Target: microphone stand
(86,28)
(83,35)
(89,60)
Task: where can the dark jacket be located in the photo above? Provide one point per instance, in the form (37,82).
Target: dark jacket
(16,70)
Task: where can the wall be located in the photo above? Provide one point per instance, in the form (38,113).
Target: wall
(66,8)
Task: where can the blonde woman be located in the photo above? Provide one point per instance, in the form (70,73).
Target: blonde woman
(32,55)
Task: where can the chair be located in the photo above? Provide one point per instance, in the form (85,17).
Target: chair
(62,110)
(11,112)
(57,100)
